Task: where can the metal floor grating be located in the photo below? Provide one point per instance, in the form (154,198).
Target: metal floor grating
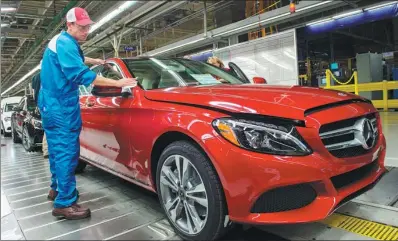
(120,210)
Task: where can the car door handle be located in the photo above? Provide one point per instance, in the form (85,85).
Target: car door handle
(89,103)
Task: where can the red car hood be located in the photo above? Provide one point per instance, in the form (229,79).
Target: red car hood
(280,101)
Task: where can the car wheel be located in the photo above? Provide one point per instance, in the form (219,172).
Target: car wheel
(14,135)
(27,141)
(190,192)
(80,167)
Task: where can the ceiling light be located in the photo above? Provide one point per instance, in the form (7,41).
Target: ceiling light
(319,21)
(312,6)
(111,15)
(252,24)
(272,18)
(347,14)
(4,25)
(8,9)
(23,78)
(179,46)
(381,5)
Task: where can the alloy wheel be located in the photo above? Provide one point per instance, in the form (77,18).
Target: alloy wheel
(183,194)
(26,139)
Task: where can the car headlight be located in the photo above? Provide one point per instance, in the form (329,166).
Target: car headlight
(262,137)
(7,118)
(36,123)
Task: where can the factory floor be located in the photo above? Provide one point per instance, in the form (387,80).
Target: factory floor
(124,211)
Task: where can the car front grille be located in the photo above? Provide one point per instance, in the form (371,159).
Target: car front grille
(285,199)
(351,137)
(345,179)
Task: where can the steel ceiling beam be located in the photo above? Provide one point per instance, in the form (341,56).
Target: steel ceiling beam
(170,26)
(47,4)
(24,15)
(55,24)
(153,9)
(19,30)
(272,17)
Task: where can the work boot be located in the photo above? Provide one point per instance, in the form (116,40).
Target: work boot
(52,195)
(73,212)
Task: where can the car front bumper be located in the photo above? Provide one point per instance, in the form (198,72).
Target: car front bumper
(7,126)
(267,189)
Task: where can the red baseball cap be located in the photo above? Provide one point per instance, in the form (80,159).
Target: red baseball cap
(78,16)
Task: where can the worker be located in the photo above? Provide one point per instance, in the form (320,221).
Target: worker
(36,89)
(63,69)
(216,62)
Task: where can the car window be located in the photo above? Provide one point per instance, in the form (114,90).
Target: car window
(10,107)
(156,73)
(109,70)
(149,75)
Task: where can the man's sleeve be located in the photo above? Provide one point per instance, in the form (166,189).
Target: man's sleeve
(72,64)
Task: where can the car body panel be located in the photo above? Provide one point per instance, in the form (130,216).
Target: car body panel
(6,115)
(26,117)
(119,135)
(286,102)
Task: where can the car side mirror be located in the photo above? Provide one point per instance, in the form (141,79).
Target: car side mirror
(259,80)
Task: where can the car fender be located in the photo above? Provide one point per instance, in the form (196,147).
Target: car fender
(199,131)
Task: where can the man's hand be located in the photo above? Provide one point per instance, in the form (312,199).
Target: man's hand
(127,82)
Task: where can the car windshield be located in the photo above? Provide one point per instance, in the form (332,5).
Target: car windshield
(10,107)
(157,73)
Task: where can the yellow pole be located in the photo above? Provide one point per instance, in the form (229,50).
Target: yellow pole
(327,79)
(356,82)
(385,95)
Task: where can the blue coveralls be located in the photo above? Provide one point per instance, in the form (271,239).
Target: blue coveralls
(62,71)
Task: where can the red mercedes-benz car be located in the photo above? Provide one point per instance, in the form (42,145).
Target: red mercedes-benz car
(218,150)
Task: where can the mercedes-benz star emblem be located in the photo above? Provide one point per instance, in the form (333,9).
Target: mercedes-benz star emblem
(368,134)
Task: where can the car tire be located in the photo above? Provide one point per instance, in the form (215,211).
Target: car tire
(27,141)
(14,135)
(81,165)
(201,175)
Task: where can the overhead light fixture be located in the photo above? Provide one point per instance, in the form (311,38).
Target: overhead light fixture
(313,6)
(347,14)
(111,15)
(252,24)
(22,79)
(272,18)
(319,21)
(381,5)
(8,9)
(179,46)
(5,25)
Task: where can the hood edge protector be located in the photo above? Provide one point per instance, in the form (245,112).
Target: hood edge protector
(334,104)
(254,117)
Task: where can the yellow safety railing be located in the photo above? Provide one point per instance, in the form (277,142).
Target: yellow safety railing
(384,86)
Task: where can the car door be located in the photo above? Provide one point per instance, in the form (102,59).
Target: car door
(238,72)
(105,122)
